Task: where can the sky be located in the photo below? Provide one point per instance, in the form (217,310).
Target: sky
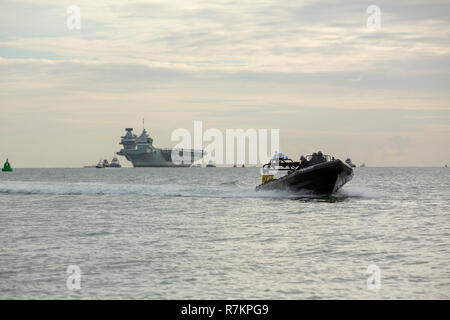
(312,69)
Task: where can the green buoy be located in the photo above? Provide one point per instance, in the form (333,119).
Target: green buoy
(7,167)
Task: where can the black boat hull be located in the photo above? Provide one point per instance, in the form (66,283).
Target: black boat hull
(320,179)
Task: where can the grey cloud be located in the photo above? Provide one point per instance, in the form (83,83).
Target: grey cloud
(416,74)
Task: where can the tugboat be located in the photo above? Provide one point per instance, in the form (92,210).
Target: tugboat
(7,167)
(317,174)
(115,163)
(99,165)
(210,164)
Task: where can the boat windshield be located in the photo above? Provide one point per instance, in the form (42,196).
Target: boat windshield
(286,164)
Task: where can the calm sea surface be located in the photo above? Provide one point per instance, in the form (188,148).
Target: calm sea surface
(205,233)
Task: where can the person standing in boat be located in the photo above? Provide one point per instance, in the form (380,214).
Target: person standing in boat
(313,159)
(320,157)
(303,162)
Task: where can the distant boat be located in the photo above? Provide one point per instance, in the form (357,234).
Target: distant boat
(7,167)
(89,167)
(197,165)
(114,163)
(105,163)
(349,162)
(210,164)
(362,165)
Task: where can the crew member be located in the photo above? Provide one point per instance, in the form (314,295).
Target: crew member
(314,159)
(320,157)
(303,162)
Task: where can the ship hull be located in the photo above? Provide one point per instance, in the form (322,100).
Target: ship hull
(156,158)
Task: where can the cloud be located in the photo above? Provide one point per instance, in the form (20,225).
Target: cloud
(277,36)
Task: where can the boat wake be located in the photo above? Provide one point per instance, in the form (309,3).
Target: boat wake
(164,190)
(356,192)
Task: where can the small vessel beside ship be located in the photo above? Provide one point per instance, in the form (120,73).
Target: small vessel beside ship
(115,163)
(210,164)
(105,164)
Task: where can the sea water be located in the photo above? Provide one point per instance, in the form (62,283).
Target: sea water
(205,233)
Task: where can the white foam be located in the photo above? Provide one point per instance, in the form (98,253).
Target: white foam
(94,188)
(168,190)
(357,192)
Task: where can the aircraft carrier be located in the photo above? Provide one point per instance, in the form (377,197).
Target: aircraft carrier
(141,152)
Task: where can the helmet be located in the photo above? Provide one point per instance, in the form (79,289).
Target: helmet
(320,153)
